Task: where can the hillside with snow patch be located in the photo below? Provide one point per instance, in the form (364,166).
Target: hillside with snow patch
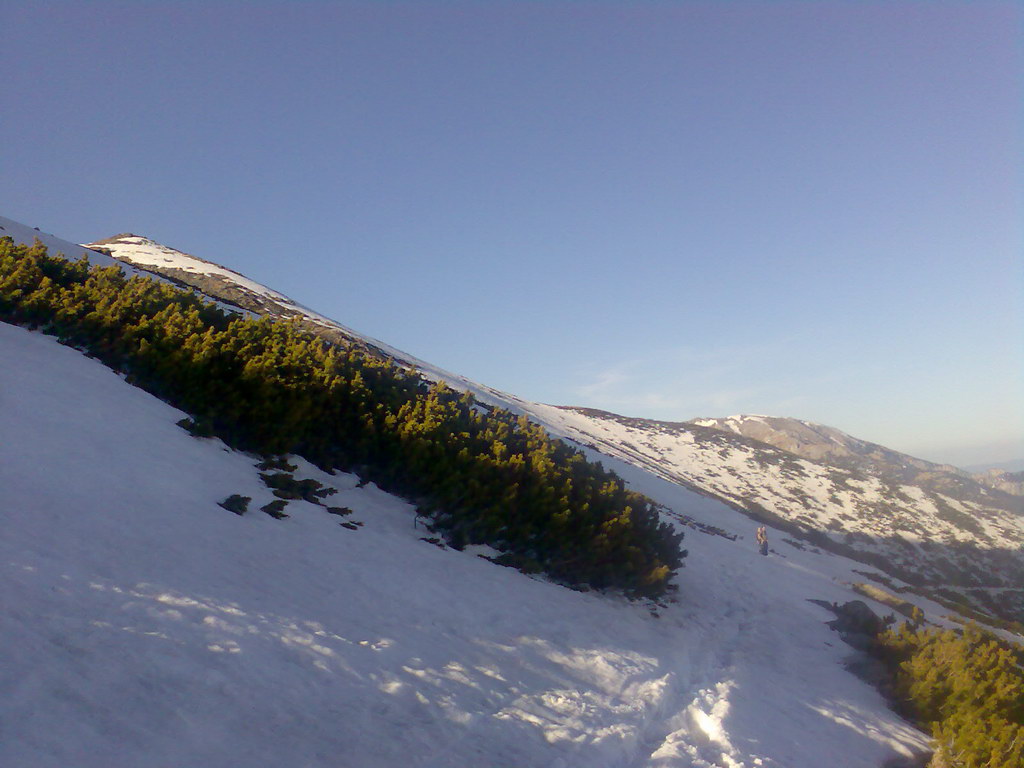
(228,286)
(144,625)
(947,547)
(916,523)
(818,442)
(919,526)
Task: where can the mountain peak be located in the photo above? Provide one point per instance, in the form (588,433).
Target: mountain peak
(142,250)
(123,236)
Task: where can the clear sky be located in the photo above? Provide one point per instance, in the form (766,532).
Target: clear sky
(663,209)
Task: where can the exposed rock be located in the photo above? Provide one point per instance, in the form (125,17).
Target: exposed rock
(1001,480)
(856,623)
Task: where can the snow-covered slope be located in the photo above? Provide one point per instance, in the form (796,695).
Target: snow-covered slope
(818,442)
(926,527)
(154,257)
(151,627)
(143,625)
(226,285)
(965,547)
(22,233)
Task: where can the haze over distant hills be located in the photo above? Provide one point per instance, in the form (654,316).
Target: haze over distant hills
(1017,465)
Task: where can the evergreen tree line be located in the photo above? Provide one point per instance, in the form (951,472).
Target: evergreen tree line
(967,687)
(483,475)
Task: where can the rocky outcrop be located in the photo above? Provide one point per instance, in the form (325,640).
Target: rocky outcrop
(1000,480)
(856,623)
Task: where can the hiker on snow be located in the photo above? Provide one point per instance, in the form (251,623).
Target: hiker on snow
(762,540)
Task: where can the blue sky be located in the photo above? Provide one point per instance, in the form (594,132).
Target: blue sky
(662,209)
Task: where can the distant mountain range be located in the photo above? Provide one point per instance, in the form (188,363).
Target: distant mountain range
(934,528)
(1017,465)
(829,445)
(942,534)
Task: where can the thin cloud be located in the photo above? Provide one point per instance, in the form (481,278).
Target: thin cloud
(684,382)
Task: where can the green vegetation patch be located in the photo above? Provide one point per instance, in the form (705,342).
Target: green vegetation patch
(276,509)
(967,687)
(236,503)
(269,387)
(285,486)
(905,607)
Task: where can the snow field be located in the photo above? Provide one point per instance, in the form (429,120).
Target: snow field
(143,625)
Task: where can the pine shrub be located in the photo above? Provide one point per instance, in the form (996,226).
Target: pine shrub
(276,509)
(483,475)
(236,503)
(966,687)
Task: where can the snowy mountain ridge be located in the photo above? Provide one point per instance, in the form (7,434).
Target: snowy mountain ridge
(231,287)
(145,625)
(923,524)
(944,534)
(823,443)
(957,548)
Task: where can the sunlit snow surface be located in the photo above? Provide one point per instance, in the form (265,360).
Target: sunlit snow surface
(143,625)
